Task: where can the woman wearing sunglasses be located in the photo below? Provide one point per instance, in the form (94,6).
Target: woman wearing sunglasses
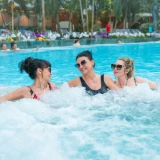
(40,71)
(92,82)
(124,71)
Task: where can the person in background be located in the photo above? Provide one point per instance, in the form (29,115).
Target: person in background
(119,42)
(40,71)
(123,70)
(4,47)
(108,27)
(14,47)
(93,83)
(76,43)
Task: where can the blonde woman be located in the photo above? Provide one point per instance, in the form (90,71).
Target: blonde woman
(123,70)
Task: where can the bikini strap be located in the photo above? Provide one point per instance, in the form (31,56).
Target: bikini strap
(31,91)
(135,81)
(50,86)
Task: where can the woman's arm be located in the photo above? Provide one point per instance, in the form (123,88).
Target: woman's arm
(143,80)
(17,94)
(110,83)
(75,82)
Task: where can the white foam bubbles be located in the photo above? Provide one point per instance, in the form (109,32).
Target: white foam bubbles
(67,124)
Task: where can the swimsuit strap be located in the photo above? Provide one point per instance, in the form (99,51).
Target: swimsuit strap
(102,81)
(35,96)
(83,82)
(50,86)
(31,92)
(135,81)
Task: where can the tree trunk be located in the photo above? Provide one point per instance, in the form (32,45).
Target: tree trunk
(43,16)
(4,24)
(80,2)
(87,17)
(70,20)
(58,25)
(92,18)
(115,25)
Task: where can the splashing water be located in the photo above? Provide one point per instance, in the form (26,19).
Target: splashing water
(67,124)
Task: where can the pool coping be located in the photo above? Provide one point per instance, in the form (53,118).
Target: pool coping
(85,41)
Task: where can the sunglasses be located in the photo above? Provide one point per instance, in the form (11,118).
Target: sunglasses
(49,69)
(118,66)
(81,63)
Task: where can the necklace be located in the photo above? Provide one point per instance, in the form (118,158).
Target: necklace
(124,85)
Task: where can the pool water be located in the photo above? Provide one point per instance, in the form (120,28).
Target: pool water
(70,125)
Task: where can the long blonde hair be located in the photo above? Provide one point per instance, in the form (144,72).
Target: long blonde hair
(129,64)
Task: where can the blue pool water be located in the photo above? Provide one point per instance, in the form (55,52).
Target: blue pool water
(69,125)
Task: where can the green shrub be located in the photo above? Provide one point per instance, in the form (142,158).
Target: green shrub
(144,27)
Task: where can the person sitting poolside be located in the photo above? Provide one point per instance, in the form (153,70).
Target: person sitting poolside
(123,70)
(76,43)
(14,47)
(40,71)
(93,83)
(4,47)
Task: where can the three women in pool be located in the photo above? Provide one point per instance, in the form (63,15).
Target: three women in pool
(92,82)
(124,71)
(40,71)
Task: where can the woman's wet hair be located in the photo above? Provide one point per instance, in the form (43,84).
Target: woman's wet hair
(30,66)
(76,41)
(129,64)
(87,54)
(12,44)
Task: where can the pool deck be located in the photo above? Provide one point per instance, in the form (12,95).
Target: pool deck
(59,43)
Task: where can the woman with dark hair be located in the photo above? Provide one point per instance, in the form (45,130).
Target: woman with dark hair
(92,82)
(123,70)
(76,43)
(40,71)
(14,47)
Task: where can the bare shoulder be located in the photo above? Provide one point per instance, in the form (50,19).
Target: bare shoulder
(21,91)
(152,85)
(140,79)
(53,85)
(107,78)
(74,82)
(110,83)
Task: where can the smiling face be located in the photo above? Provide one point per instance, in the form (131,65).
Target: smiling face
(84,65)
(119,72)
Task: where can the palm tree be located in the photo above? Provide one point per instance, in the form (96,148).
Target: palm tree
(92,18)
(71,6)
(86,5)
(81,10)
(52,8)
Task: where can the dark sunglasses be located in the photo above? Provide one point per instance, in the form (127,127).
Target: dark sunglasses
(118,66)
(81,63)
(49,69)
